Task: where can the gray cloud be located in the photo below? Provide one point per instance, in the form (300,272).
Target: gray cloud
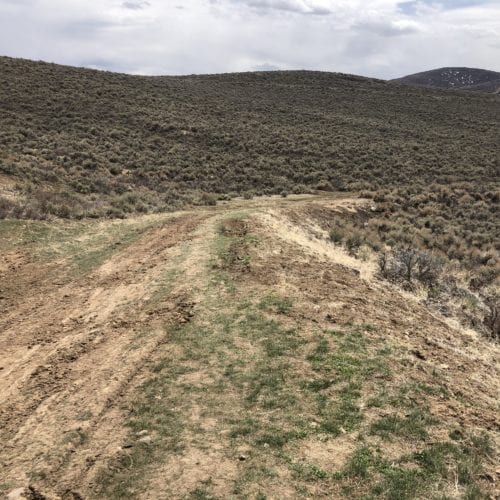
(86,27)
(412,7)
(388,28)
(135,5)
(297,6)
(454,4)
(382,38)
(266,67)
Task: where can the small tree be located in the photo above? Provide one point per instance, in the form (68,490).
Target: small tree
(409,264)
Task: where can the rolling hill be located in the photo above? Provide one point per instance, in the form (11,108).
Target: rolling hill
(80,143)
(468,79)
(257,285)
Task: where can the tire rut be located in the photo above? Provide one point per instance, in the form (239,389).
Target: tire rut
(91,361)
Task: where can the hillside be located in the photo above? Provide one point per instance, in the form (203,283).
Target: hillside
(470,79)
(258,285)
(232,352)
(82,143)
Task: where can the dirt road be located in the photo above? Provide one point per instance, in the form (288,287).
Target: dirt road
(95,313)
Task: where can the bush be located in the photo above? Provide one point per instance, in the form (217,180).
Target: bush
(353,243)
(492,317)
(337,235)
(410,264)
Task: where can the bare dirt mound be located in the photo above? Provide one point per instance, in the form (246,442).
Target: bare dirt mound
(231,352)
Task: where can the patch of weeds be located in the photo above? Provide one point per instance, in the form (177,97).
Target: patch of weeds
(85,245)
(246,427)
(341,416)
(202,492)
(281,343)
(157,411)
(379,400)
(219,277)
(84,415)
(319,355)
(361,462)
(409,392)
(254,474)
(400,484)
(232,245)
(406,396)
(435,468)
(276,304)
(275,339)
(100,248)
(269,388)
(277,437)
(343,368)
(461,461)
(381,478)
(412,426)
(318,385)
(244,305)
(38,475)
(308,472)
(482,445)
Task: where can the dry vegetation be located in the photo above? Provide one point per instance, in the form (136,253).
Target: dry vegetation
(82,143)
(443,243)
(79,143)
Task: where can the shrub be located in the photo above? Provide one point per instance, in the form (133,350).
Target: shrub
(409,264)
(492,317)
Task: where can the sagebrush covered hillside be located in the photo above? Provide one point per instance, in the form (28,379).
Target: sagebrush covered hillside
(81,143)
(88,143)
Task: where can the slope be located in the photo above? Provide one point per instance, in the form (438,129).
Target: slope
(229,352)
(82,143)
(472,79)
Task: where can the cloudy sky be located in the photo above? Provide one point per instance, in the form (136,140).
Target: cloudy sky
(380,38)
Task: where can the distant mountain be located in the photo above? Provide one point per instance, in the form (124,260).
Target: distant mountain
(478,80)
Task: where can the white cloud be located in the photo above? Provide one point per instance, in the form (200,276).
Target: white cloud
(383,38)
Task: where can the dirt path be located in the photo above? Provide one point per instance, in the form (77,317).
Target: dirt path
(69,355)
(76,347)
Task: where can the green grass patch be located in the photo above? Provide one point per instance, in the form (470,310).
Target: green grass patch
(437,465)
(267,387)
(84,245)
(275,303)
(413,425)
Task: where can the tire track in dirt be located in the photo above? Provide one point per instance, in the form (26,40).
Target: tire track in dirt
(93,356)
(179,309)
(73,362)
